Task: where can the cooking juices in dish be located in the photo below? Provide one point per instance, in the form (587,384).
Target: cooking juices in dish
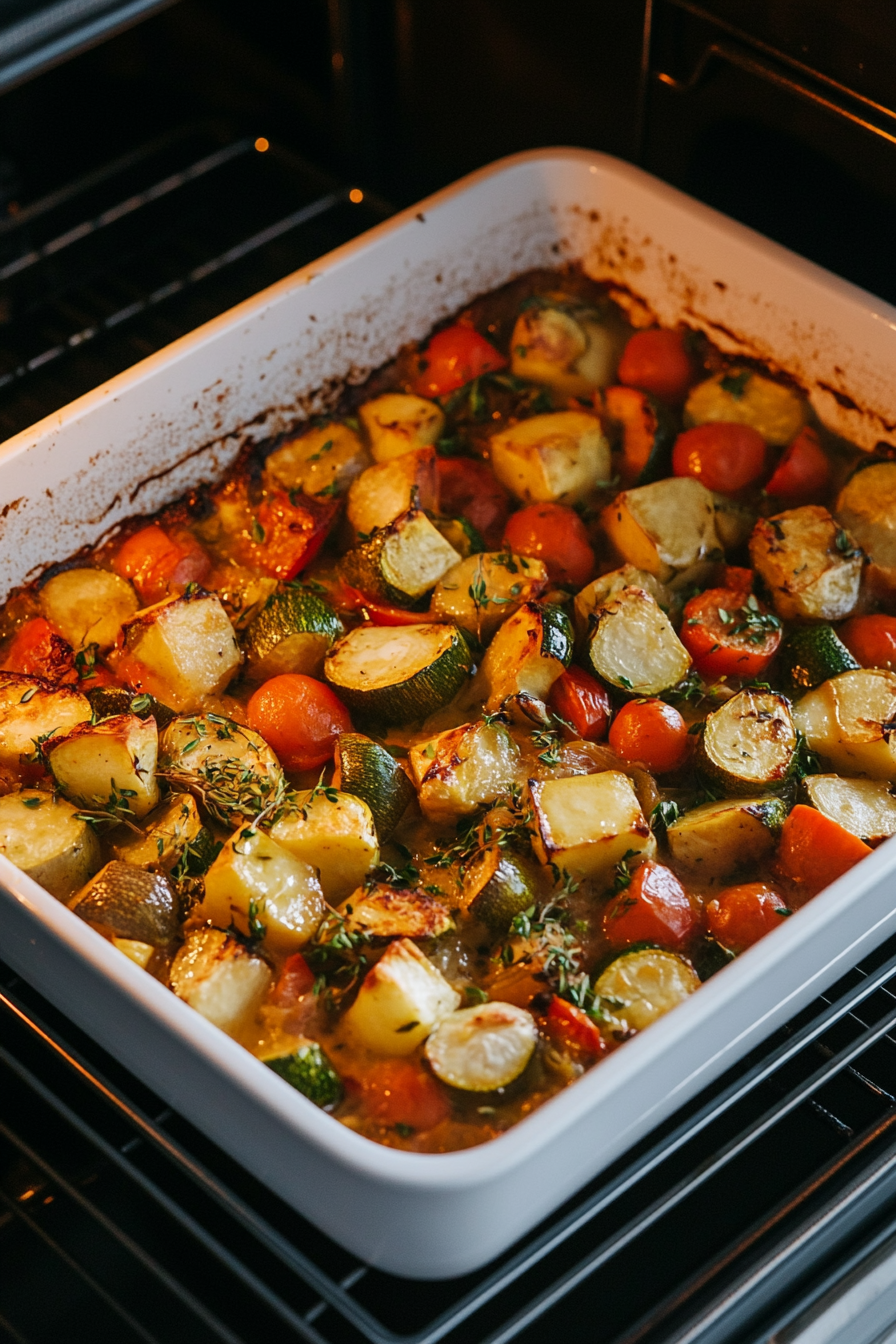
(447,744)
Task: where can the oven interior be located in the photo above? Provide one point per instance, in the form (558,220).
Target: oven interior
(159,163)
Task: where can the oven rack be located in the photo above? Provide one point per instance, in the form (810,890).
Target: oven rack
(149,1232)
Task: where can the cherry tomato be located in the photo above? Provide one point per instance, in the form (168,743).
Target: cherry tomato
(37,650)
(287,533)
(728,633)
(740,916)
(725,457)
(650,732)
(300,718)
(657,361)
(158,563)
(556,535)
(653,908)
(804,473)
(400,1092)
(295,979)
(871,640)
(814,850)
(454,357)
(573,1029)
(469,489)
(739,580)
(583,702)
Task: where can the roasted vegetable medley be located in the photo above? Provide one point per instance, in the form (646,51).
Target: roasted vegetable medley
(447,743)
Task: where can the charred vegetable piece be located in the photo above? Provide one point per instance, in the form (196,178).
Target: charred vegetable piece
(481,592)
(291,633)
(31,712)
(367,771)
(398,422)
(866,506)
(219,977)
(566,346)
(715,839)
(527,655)
(181,650)
(174,838)
(644,984)
(400,563)
(607,586)
(811,654)
(262,889)
(381,912)
(848,721)
(750,743)
(400,1001)
(88,606)
(335,833)
(664,528)
(308,1070)
(43,835)
(560,456)
(326,459)
(633,646)
(810,565)
(866,807)
(131,903)
(498,886)
(109,701)
(108,766)
(230,769)
(398,675)
(461,769)
(482,1048)
(586,824)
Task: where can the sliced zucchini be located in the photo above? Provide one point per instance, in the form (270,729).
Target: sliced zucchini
(734,522)
(398,674)
(308,1070)
(131,903)
(460,770)
(42,835)
(482,591)
(482,1048)
(566,346)
(749,743)
(367,771)
(400,1001)
(187,647)
(866,807)
(291,633)
(562,455)
(88,606)
(108,765)
(663,528)
(714,840)
(810,565)
(586,824)
(811,654)
(648,431)
(380,911)
(527,655)
(335,833)
(607,586)
(632,645)
(398,422)
(262,889)
(230,769)
(219,977)
(498,886)
(172,832)
(644,984)
(328,459)
(384,491)
(866,506)
(109,701)
(849,721)
(31,712)
(400,563)
(747,398)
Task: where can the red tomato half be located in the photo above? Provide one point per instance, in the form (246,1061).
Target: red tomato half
(400,1092)
(295,979)
(871,640)
(653,908)
(573,1029)
(453,358)
(287,535)
(37,650)
(657,361)
(725,457)
(583,702)
(726,637)
(804,473)
(556,535)
(469,489)
(740,916)
(300,718)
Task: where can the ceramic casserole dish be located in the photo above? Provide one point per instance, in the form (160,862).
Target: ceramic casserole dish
(180,417)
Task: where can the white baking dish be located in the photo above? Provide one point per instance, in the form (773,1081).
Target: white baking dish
(177,418)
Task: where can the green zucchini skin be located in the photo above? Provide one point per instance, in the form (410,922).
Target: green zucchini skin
(133,903)
(714,840)
(424,554)
(291,633)
(642,984)
(557,637)
(367,771)
(109,701)
(749,744)
(498,886)
(811,654)
(308,1070)
(428,665)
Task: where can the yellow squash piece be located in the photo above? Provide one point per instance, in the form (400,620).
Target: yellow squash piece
(810,565)
(586,824)
(663,528)
(108,764)
(746,398)
(334,832)
(323,459)
(187,645)
(849,720)
(398,422)
(460,770)
(88,606)
(560,456)
(384,491)
(265,891)
(400,1001)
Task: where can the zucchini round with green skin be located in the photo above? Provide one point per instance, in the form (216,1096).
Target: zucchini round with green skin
(812,653)
(750,743)
(109,701)
(643,984)
(497,887)
(308,1070)
(527,655)
(633,646)
(398,674)
(291,633)
(866,807)
(715,839)
(131,903)
(42,834)
(400,563)
(367,771)
(482,1048)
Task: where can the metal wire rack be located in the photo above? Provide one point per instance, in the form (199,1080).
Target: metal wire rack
(148,1232)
